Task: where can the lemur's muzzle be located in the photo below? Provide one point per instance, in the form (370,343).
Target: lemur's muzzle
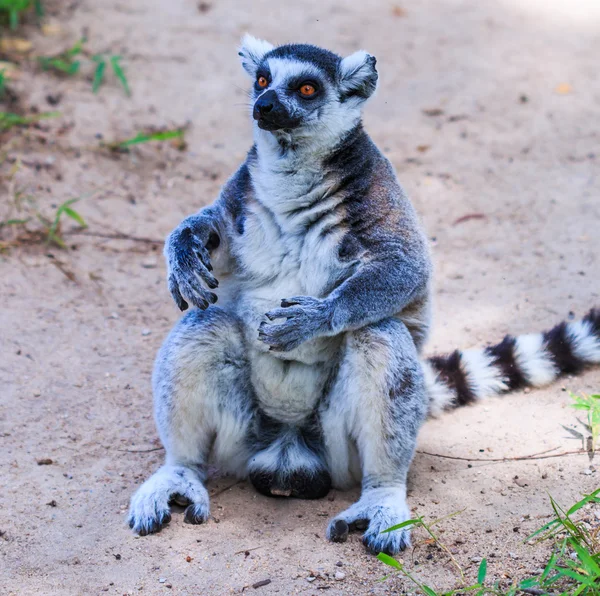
(271,114)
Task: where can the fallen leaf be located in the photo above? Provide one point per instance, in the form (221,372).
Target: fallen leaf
(15,44)
(11,71)
(51,29)
(468,217)
(398,11)
(423,148)
(563,88)
(433,112)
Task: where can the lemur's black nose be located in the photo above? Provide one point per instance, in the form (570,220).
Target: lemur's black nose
(265,104)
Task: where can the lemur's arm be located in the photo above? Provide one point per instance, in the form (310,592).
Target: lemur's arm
(394,274)
(201,241)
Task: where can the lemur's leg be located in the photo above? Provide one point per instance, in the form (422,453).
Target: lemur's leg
(378,403)
(201,401)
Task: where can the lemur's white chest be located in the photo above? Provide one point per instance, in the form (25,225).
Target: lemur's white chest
(284,251)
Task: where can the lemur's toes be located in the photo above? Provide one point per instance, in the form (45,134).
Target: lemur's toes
(338,531)
(196,513)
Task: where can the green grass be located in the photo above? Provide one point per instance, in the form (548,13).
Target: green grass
(69,62)
(142,137)
(8,119)
(13,9)
(573,568)
(591,405)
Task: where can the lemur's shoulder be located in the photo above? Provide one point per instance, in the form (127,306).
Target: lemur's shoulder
(235,191)
(377,206)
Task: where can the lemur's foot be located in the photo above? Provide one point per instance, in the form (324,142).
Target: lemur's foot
(377,510)
(149,510)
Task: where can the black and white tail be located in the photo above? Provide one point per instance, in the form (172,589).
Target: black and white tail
(532,360)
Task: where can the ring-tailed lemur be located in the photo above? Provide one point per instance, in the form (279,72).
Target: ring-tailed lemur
(308,373)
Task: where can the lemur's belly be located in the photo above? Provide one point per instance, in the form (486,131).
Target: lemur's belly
(288,385)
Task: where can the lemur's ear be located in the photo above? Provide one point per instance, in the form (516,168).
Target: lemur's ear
(252,51)
(358,75)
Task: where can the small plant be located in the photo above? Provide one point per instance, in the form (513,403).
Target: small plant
(14,8)
(69,63)
(591,405)
(573,569)
(146,137)
(53,227)
(8,119)
(65,62)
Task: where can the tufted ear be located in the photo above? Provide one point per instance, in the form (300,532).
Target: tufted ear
(252,51)
(358,76)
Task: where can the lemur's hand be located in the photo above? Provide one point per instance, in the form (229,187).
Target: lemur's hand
(306,318)
(188,259)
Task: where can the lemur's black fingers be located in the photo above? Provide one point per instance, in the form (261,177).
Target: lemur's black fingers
(282,313)
(174,289)
(193,292)
(209,279)
(204,256)
(287,302)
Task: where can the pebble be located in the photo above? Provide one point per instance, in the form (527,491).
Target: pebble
(340,576)
(36,393)
(513,555)
(476,559)
(146,332)
(340,564)
(311,578)
(587,472)
(149,264)
(162,580)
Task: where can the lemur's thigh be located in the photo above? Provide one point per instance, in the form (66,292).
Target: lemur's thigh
(375,408)
(202,402)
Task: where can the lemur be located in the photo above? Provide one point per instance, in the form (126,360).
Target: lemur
(308,373)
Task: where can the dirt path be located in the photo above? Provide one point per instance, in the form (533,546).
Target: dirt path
(80,328)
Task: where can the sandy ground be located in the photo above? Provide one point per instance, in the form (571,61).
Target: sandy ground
(80,327)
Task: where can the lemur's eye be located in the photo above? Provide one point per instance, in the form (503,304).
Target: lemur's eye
(307,89)
(262,82)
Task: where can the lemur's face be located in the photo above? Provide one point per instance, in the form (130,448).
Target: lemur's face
(302,89)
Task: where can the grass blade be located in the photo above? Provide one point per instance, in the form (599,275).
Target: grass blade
(482,571)
(389,561)
(120,73)
(98,73)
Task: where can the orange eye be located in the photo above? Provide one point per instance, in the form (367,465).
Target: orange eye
(262,82)
(307,89)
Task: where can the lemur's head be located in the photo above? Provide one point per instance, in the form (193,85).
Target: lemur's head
(305,91)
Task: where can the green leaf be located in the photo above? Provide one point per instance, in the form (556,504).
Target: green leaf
(591,497)
(98,74)
(482,571)
(145,137)
(582,579)
(39,8)
(389,561)
(528,583)
(14,222)
(408,522)
(75,216)
(428,590)
(119,73)
(585,557)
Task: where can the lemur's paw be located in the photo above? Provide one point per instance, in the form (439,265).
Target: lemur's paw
(189,263)
(147,513)
(149,509)
(196,513)
(306,317)
(377,510)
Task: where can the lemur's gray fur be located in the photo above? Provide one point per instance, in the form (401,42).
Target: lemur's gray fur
(308,373)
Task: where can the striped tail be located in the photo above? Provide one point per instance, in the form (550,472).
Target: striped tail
(532,360)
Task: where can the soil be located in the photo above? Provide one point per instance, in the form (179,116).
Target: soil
(490,113)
